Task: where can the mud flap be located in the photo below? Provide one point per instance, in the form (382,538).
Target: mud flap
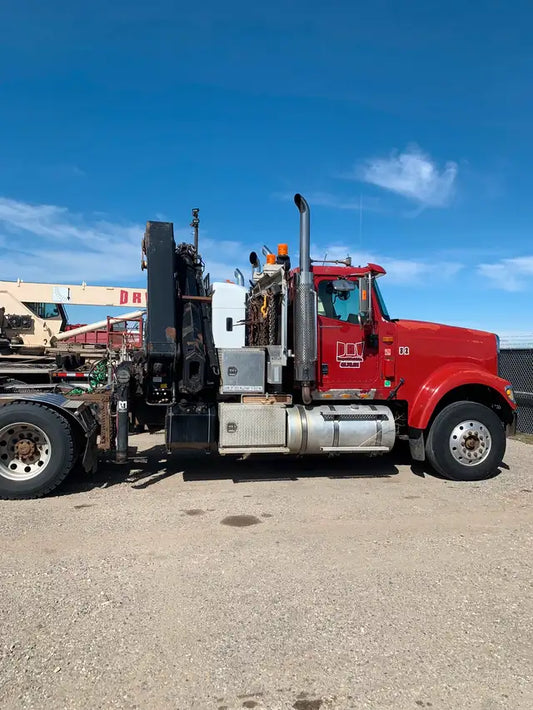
(510,429)
(89,460)
(416,444)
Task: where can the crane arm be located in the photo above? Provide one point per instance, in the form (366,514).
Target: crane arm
(81,294)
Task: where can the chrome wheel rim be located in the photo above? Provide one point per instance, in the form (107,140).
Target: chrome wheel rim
(470,443)
(25,451)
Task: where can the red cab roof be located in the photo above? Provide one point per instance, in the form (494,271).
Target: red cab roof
(340,270)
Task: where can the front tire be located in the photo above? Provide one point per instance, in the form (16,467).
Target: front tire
(466,442)
(37,450)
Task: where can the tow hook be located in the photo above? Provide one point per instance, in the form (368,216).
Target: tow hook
(264,307)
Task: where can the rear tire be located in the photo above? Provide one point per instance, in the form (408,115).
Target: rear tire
(466,442)
(37,450)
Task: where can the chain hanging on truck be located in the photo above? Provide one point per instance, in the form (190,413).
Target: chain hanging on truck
(263,319)
(272,320)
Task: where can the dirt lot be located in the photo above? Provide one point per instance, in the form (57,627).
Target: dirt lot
(273,584)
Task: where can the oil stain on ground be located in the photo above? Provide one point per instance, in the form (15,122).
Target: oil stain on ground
(240,521)
(305,704)
(194,511)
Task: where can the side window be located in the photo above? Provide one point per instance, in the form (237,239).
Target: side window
(50,310)
(44,310)
(340,306)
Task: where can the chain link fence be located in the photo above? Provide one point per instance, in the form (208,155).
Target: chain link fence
(516,365)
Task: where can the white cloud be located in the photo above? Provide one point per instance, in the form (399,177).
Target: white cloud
(399,271)
(514,274)
(50,243)
(412,174)
(336,202)
(326,199)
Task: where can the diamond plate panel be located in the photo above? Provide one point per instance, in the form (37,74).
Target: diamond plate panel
(252,425)
(242,370)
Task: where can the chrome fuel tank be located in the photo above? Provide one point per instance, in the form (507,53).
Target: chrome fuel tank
(342,428)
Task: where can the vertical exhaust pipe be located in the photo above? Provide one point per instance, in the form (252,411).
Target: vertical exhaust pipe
(305,309)
(239,278)
(195,224)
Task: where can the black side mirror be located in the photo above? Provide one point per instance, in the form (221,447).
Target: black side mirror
(343,286)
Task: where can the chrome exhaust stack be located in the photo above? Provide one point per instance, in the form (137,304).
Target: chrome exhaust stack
(239,277)
(305,309)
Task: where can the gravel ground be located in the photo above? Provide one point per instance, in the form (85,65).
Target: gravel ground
(270,584)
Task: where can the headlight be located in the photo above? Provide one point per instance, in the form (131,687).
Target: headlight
(509,392)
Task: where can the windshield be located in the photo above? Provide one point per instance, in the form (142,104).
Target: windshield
(382,306)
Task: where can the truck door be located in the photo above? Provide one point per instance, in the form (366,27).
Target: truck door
(345,360)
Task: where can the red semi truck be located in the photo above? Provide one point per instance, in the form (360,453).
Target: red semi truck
(324,370)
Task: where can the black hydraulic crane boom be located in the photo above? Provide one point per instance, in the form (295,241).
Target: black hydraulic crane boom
(180,350)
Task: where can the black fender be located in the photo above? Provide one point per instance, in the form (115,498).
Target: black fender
(77,412)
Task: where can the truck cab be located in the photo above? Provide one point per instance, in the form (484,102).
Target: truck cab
(372,355)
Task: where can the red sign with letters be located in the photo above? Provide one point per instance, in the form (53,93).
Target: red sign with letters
(134,297)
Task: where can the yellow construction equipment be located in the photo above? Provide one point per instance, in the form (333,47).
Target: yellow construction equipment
(33,315)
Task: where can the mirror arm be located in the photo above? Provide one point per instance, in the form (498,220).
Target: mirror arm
(369,296)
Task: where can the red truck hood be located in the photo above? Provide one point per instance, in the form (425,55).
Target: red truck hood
(447,343)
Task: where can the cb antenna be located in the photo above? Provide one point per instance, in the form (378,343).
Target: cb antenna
(195,224)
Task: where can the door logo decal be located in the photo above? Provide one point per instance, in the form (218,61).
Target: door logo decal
(350,354)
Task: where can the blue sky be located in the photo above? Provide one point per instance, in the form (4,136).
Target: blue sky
(116,113)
